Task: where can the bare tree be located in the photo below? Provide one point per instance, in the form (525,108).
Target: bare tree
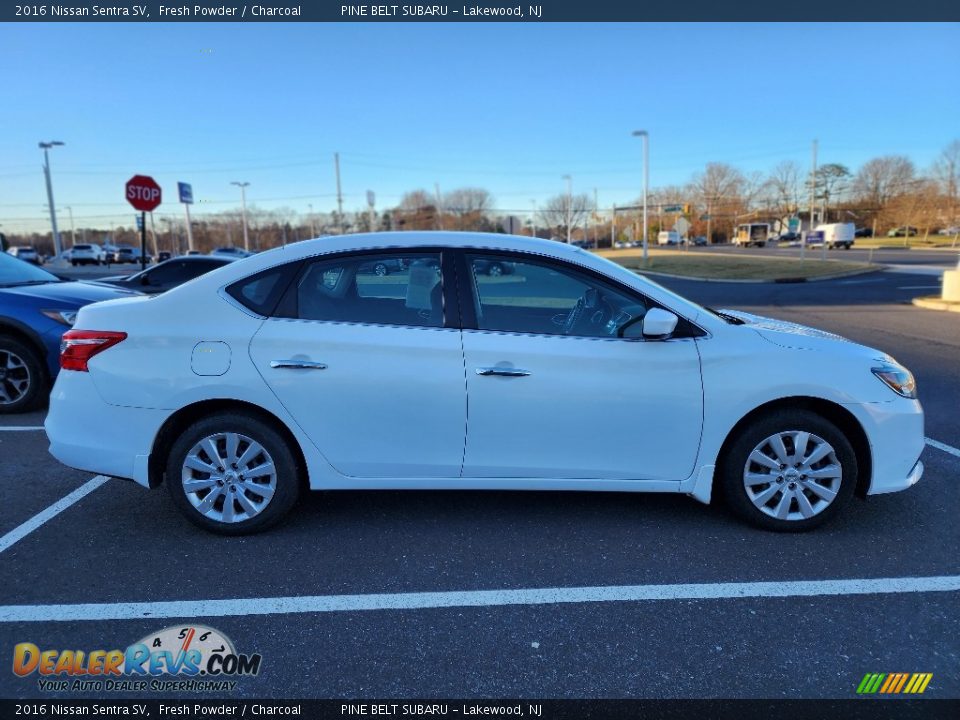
(882,179)
(720,189)
(782,187)
(469,205)
(832,180)
(417,211)
(562,211)
(946,171)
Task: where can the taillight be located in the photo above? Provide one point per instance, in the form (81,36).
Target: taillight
(78,346)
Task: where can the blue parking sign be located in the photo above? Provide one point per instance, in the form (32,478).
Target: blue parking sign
(186,193)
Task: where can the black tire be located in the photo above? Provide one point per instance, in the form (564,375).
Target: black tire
(14,396)
(381,270)
(495,270)
(73,262)
(732,465)
(287,475)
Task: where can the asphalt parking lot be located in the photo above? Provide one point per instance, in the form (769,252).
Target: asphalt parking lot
(124,551)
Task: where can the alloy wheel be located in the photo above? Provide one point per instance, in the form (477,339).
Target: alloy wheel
(14,377)
(229,477)
(792,475)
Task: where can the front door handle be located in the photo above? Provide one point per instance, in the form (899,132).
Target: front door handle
(297,365)
(502,371)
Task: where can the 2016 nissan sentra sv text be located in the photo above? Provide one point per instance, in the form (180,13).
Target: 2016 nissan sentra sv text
(455,360)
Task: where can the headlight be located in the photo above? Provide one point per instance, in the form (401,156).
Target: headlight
(897,378)
(67,317)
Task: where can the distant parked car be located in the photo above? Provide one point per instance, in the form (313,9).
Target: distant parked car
(87,255)
(129,254)
(492,268)
(699,240)
(863,232)
(906,231)
(163,255)
(166,275)
(36,308)
(25,253)
(953,230)
(788,237)
(235,253)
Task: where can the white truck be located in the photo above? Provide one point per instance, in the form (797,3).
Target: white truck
(752,234)
(837,235)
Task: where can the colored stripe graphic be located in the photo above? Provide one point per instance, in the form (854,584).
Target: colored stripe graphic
(894,683)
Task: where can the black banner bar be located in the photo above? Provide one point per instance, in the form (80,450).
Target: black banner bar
(855,709)
(529,11)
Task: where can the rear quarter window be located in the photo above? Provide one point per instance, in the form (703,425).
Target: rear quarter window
(260,293)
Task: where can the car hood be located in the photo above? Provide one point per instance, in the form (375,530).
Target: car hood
(802,337)
(72,293)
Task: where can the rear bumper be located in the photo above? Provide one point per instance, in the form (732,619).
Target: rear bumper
(88,434)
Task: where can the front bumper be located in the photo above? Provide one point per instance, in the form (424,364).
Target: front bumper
(894,430)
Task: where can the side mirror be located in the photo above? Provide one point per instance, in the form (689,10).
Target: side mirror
(144,279)
(659,323)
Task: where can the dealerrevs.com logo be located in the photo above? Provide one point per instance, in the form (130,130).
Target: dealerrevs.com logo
(192,658)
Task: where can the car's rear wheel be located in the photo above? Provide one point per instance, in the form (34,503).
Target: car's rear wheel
(381,269)
(232,474)
(22,381)
(788,471)
(495,270)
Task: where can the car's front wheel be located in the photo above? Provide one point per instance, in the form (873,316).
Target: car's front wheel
(232,474)
(788,471)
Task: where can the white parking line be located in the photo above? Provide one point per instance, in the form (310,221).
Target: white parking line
(20,428)
(473,598)
(942,446)
(21,531)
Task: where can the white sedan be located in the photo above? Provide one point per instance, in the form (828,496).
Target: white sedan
(302,367)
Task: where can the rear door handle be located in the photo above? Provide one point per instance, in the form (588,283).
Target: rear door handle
(502,371)
(297,365)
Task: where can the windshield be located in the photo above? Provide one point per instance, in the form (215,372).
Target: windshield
(18,272)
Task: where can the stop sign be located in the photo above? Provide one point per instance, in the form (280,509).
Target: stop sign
(143,192)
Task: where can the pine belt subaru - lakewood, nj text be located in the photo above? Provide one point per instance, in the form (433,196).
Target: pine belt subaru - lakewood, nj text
(299,368)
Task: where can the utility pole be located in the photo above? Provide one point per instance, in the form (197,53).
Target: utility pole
(243,209)
(813,200)
(613,227)
(439,209)
(73,232)
(153,231)
(645,136)
(533,220)
(45,146)
(336,165)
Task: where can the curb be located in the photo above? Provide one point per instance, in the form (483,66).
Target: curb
(781,281)
(935,303)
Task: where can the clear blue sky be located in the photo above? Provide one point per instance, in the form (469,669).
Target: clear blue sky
(507,107)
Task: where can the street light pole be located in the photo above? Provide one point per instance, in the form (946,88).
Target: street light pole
(243,206)
(45,146)
(73,231)
(646,182)
(569,214)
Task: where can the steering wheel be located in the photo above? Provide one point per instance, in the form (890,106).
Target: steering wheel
(591,305)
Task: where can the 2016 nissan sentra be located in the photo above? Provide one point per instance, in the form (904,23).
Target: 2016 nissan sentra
(297,368)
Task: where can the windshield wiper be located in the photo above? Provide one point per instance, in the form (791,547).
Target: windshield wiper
(26,282)
(732,319)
